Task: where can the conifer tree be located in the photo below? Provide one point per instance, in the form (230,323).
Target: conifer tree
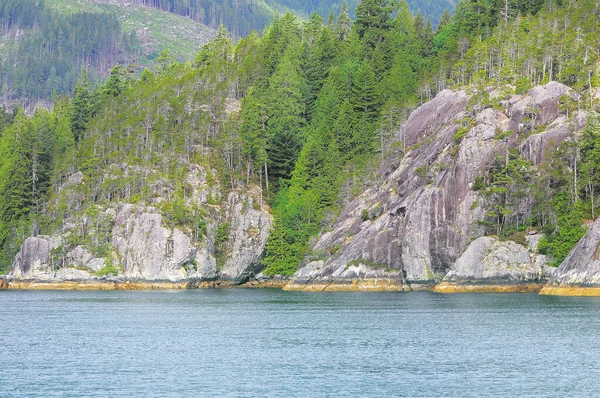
(81,106)
(374,20)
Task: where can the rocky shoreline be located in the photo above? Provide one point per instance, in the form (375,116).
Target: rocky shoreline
(125,284)
(354,285)
(449,287)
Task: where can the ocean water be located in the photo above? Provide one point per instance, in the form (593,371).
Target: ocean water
(255,343)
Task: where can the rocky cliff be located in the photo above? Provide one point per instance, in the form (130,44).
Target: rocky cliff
(141,245)
(419,223)
(409,229)
(579,274)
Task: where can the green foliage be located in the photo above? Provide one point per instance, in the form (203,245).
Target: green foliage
(364,215)
(462,131)
(221,237)
(478,184)
(47,58)
(107,270)
(26,153)
(568,230)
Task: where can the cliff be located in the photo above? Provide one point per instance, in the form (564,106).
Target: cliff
(411,227)
(146,196)
(142,247)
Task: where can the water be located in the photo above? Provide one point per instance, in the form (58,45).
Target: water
(252,343)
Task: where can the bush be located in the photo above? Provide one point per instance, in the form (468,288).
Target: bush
(478,184)
(107,270)
(364,215)
(519,237)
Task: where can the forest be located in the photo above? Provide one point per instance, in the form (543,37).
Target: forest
(307,111)
(241,17)
(47,58)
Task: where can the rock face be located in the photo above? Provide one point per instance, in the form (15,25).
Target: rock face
(490,262)
(143,247)
(35,258)
(419,218)
(150,251)
(247,236)
(353,277)
(579,273)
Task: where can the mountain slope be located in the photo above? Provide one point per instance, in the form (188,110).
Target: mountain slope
(155,29)
(45,44)
(241,17)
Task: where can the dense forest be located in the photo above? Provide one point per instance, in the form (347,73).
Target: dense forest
(45,49)
(51,48)
(241,17)
(307,112)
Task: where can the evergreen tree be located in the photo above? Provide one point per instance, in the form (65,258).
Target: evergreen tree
(374,20)
(81,107)
(286,116)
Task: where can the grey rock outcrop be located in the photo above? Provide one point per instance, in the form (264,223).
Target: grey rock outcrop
(582,266)
(249,227)
(419,218)
(488,260)
(34,259)
(81,258)
(143,247)
(148,250)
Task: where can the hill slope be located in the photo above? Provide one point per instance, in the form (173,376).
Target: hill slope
(45,44)
(155,29)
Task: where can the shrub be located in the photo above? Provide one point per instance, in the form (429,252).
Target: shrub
(107,270)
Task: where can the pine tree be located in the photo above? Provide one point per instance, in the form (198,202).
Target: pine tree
(81,106)
(374,20)
(286,116)
(344,23)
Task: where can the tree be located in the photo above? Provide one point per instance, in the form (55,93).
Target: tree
(286,116)
(590,162)
(81,106)
(374,20)
(343,23)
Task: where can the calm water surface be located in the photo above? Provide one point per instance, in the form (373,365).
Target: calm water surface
(252,343)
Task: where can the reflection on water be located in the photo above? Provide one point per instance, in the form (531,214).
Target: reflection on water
(236,342)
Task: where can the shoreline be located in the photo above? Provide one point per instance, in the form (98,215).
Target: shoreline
(355,285)
(571,290)
(107,284)
(453,287)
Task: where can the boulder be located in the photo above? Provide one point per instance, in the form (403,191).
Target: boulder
(490,261)
(72,274)
(34,259)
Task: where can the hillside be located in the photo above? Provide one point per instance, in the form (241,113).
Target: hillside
(156,30)
(367,151)
(241,17)
(44,45)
